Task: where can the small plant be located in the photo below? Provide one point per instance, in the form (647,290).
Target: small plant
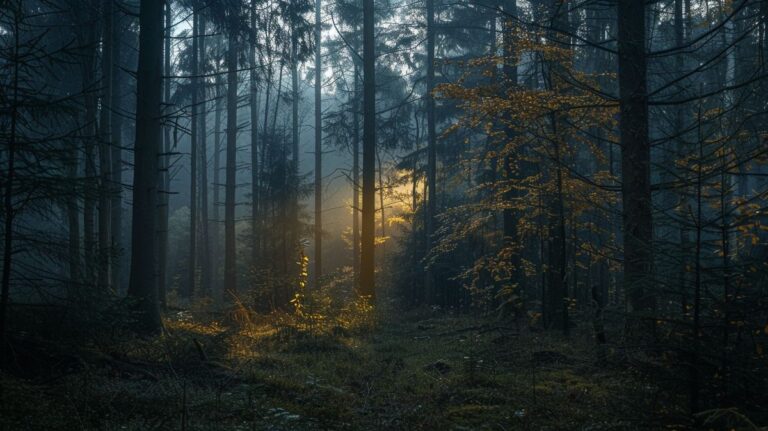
(299,298)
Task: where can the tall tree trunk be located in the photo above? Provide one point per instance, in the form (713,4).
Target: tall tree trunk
(635,164)
(285,203)
(205,246)
(415,295)
(267,151)
(726,189)
(679,124)
(163,209)
(90,138)
(558,282)
(431,294)
(558,287)
(694,376)
(215,234)
(230,276)
(142,285)
(509,221)
(356,179)
(73,228)
(367,286)
(255,178)
(8,208)
(381,205)
(105,155)
(318,151)
(293,174)
(278,96)
(116,207)
(188,289)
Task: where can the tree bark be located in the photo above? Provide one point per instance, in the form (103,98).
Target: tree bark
(215,233)
(509,221)
(431,294)
(116,207)
(318,152)
(163,209)
(90,138)
(205,249)
(557,307)
(230,276)
(367,286)
(356,179)
(105,155)
(8,207)
(255,179)
(188,289)
(142,285)
(293,174)
(635,164)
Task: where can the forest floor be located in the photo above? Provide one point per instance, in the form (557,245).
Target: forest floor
(420,371)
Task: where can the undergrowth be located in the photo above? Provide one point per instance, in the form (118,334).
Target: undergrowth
(333,364)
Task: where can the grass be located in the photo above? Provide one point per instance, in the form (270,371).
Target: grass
(413,372)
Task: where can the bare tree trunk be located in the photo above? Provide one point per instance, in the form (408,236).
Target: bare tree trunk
(188,290)
(8,209)
(381,205)
(142,286)
(90,138)
(367,286)
(699,223)
(318,151)
(293,177)
(415,297)
(116,207)
(431,294)
(356,180)
(278,96)
(163,209)
(73,224)
(215,234)
(255,177)
(725,199)
(205,249)
(230,276)
(558,287)
(679,144)
(635,164)
(105,155)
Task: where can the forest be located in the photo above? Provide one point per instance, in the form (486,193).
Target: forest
(384,215)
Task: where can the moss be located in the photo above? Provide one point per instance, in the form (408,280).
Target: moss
(348,381)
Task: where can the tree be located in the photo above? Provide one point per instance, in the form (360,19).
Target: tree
(230,275)
(318,151)
(367,287)
(87,19)
(39,147)
(116,158)
(165,175)
(215,231)
(143,284)
(300,46)
(8,204)
(105,153)
(194,143)
(557,296)
(431,145)
(254,108)
(635,162)
(205,246)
